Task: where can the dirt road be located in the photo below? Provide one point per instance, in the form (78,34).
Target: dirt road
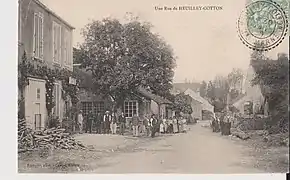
(197,151)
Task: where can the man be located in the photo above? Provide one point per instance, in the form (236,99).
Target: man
(154,125)
(80,121)
(135,123)
(90,119)
(122,122)
(98,123)
(147,125)
(113,124)
(107,120)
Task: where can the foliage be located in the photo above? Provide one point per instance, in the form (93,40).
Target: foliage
(53,122)
(123,57)
(217,92)
(41,70)
(272,76)
(182,103)
(235,78)
(234,93)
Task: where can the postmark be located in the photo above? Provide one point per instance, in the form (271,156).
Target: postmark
(264,23)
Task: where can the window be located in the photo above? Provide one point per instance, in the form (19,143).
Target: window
(37,93)
(67,50)
(130,108)
(38,36)
(95,107)
(56,43)
(57,97)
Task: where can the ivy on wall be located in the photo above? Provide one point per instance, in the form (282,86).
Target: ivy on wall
(41,70)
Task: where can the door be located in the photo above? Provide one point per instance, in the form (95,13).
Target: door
(35,108)
(37,117)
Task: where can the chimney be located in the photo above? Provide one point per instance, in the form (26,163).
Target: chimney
(198,91)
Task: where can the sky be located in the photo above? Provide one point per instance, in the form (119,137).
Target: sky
(205,42)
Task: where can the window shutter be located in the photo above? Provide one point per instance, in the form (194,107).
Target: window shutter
(70,48)
(59,43)
(34,32)
(53,41)
(41,45)
(65,46)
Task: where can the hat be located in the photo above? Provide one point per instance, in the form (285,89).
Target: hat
(107,112)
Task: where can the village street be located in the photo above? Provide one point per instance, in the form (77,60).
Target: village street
(198,151)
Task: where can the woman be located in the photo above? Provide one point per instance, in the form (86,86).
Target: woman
(183,124)
(175,126)
(154,125)
(80,121)
(161,130)
(170,125)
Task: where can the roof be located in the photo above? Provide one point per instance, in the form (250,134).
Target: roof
(205,104)
(182,87)
(53,13)
(154,97)
(237,99)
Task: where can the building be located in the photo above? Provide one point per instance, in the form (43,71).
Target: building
(252,97)
(88,101)
(141,102)
(182,87)
(198,104)
(152,104)
(47,40)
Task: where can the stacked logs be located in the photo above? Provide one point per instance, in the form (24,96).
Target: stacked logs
(49,138)
(57,138)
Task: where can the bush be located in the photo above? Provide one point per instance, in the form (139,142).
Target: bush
(53,122)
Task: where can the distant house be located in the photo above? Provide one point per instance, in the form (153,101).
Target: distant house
(88,101)
(199,104)
(252,98)
(47,39)
(141,102)
(182,87)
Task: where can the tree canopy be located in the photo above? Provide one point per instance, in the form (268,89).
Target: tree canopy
(182,103)
(273,78)
(125,56)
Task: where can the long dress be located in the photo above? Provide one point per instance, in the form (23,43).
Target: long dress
(165,125)
(175,128)
(183,125)
(161,130)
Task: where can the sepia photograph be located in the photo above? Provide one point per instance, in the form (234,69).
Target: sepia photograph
(155,86)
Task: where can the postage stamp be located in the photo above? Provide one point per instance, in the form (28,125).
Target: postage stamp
(264,23)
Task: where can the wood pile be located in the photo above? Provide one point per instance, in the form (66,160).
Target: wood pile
(48,138)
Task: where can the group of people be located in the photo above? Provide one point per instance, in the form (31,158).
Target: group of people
(146,126)
(103,124)
(173,125)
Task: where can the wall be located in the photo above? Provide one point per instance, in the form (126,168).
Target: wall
(25,42)
(197,109)
(253,93)
(86,96)
(34,105)
(154,107)
(27,9)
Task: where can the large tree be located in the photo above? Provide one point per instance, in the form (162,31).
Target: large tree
(123,57)
(182,103)
(235,78)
